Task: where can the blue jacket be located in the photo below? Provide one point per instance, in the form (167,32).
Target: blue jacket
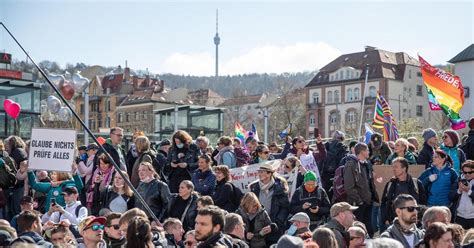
(456,154)
(204,182)
(442,191)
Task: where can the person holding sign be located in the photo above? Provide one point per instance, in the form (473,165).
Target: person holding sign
(54,189)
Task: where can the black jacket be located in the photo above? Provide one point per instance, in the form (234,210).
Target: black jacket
(342,236)
(223,196)
(280,205)
(178,174)
(389,194)
(102,199)
(335,151)
(316,198)
(425,156)
(216,240)
(156,194)
(189,216)
(161,159)
(113,153)
(468,147)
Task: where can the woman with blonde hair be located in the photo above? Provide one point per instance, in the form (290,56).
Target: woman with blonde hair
(256,219)
(117,197)
(155,192)
(401,150)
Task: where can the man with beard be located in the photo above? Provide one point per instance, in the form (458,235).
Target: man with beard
(208,227)
(342,217)
(404,227)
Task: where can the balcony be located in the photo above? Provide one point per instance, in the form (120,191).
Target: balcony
(314,105)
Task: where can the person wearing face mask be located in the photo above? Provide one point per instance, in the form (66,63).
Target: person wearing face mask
(311,199)
(155,192)
(299,224)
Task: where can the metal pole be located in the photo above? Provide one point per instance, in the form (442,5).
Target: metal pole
(363,101)
(117,167)
(175,117)
(399,107)
(86,115)
(265,116)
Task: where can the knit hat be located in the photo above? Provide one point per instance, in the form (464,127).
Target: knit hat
(428,134)
(309,176)
(453,135)
(288,241)
(471,123)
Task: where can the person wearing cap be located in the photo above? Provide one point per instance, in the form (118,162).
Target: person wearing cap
(342,217)
(311,199)
(299,224)
(26,204)
(430,143)
(450,145)
(74,211)
(359,185)
(30,227)
(272,192)
(440,180)
(404,227)
(85,167)
(468,146)
(92,231)
(161,158)
(378,149)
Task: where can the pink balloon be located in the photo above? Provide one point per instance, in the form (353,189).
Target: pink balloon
(12,108)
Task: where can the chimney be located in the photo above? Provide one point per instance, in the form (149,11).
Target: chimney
(370,48)
(126,73)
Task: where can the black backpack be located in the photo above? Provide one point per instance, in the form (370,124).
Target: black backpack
(237,196)
(7,172)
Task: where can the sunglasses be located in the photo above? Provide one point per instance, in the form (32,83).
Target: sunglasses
(97,227)
(265,152)
(411,209)
(300,141)
(116,227)
(188,243)
(467,172)
(445,137)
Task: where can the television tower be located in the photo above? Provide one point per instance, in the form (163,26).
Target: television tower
(217,41)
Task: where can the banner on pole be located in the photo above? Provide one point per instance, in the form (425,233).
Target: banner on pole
(52,149)
(243,176)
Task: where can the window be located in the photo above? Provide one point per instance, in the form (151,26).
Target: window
(351,116)
(337,76)
(356,94)
(107,105)
(372,91)
(419,90)
(369,114)
(409,73)
(82,108)
(127,117)
(349,95)
(331,78)
(107,121)
(419,110)
(341,74)
(336,96)
(315,97)
(333,118)
(120,117)
(466,92)
(145,115)
(329,97)
(137,116)
(311,120)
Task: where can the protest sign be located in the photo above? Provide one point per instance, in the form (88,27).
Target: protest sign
(52,149)
(383,174)
(243,176)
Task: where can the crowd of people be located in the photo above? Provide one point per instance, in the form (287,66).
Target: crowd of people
(180,194)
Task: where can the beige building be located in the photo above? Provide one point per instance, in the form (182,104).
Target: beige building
(335,94)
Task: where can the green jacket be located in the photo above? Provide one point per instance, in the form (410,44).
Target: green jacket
(408,156)
(54,192)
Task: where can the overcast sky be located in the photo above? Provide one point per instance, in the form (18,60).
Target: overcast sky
(177,37)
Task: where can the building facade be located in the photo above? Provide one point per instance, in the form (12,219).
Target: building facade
(334,96)
(464,68)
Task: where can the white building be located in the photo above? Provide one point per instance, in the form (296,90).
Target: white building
(464,68)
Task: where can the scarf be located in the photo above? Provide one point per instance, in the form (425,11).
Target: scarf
(219,155)
(407,231)
(266,187)
(107,175)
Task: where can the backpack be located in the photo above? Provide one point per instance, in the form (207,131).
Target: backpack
(335,152)
(7,173)
(415,183)
(339,193)
(237,195)
(241,157)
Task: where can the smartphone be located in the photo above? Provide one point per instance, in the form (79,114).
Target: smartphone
(316,132)
(53,201)
(465,182)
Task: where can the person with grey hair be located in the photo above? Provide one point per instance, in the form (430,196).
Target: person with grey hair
(384,243)
(436,214)
(234,227)
(190,239)
(404,227)
(357,236)
(202,142)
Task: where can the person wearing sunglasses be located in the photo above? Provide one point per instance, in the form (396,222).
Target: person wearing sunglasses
(465,201)
(261,155)
(404,227)
(440,180)
(92,231)
(450,145)
(357,237)
(113,236)
(113,146)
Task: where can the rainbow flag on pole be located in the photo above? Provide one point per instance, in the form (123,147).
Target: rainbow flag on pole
(445,92)
(383,119)
(240,132)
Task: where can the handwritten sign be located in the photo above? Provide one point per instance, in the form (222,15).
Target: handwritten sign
(383,173)
(52,149)
(245,175)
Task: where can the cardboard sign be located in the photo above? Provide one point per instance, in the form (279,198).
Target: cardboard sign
(52,149)
(243,176)
(383,174)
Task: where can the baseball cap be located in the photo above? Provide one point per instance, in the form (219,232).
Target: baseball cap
(26,199)
(341,207)
(82,148)
(165,142)
(301,217)
(89,220)
(92,146)
(69,190)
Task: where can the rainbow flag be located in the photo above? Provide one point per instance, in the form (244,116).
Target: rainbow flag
(383,119)
(446,90)
(240,132)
